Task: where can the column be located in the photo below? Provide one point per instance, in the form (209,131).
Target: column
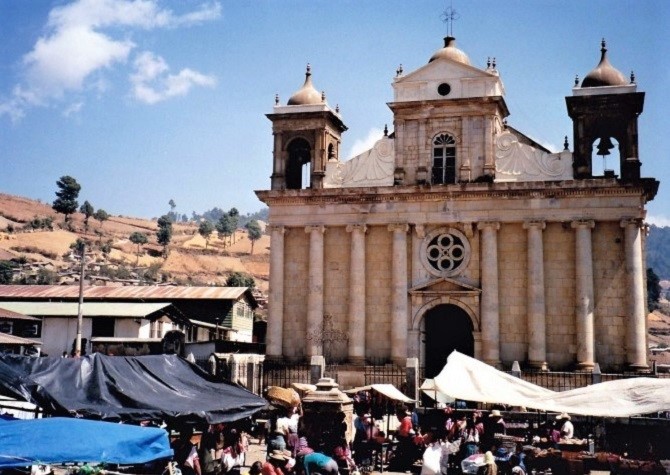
(315,289)
(490,316)
(636,326)
(584,294)
(356,327)
(417,240)
(399,293)
(537,325)
(274,337)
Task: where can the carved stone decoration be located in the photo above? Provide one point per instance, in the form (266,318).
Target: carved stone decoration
(517,161)
(373,167)
(445,252)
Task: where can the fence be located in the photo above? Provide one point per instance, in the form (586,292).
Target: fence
(279,373)
(387,373)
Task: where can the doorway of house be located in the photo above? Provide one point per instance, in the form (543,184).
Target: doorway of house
(446,328)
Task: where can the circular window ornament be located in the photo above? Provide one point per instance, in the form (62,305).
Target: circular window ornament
(443,89)
(445,252)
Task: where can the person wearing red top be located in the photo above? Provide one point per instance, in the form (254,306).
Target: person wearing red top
(405,424)
(275,464)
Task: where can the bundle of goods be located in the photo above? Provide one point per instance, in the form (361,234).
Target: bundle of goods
(284,397)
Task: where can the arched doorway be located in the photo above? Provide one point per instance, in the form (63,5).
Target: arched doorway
(446,328)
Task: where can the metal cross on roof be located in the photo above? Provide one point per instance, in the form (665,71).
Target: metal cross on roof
(449,16)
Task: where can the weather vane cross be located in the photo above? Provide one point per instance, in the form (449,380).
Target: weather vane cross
(449,16)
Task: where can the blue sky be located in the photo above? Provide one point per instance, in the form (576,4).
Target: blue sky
(143,101)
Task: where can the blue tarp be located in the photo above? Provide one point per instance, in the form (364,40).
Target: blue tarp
(60,440)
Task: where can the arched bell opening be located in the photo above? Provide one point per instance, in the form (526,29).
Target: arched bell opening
(298,167)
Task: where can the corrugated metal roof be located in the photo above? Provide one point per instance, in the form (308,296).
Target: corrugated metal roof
(152,292)
(200,323)
(89,309)
(7,339)
(9,315)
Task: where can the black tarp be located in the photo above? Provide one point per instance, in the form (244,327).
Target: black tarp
(154,387)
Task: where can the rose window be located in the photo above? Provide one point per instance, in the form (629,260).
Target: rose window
(446,252)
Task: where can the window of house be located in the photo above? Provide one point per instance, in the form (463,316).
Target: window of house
(444,159)
(102,326)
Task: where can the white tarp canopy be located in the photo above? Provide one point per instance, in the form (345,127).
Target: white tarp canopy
(388,390)
(471,380)
(429,389)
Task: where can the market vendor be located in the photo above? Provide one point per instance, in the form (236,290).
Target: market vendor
(567,429)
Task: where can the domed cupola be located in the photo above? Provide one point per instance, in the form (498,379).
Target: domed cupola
(307,94)
(450,52)
(604,74)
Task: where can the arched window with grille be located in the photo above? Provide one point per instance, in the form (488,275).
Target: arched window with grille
(444,160)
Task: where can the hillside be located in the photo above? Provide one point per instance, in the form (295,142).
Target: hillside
(25,237)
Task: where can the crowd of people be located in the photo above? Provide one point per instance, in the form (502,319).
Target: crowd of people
(425,446)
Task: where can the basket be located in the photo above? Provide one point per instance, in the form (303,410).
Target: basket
(284,397)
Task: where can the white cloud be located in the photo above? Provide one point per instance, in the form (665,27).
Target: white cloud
(362,145)
(152,82)
(660,221)
(73,109)
(85,37)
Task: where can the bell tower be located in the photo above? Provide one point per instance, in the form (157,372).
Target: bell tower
(307,134)
(605,107)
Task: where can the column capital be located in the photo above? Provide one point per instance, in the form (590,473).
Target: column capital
(534,224)
(583,223)
(419,230)
(357,227)
(315,227)
(495,225)
(400,227)
(625,222)
(280,228)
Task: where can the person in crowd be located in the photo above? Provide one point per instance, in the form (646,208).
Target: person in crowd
(489,467)
(211,449)
(517,465)
(256,468)
(567,430)
(185,453)
(342,455)
(277,438)
(435,457)
(469,439)
(406,450)
(321,463)
(275,464)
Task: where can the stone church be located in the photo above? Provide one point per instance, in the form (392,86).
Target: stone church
(456,231)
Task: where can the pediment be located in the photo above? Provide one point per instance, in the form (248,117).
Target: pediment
(444,69)
(465,81)
(445,286)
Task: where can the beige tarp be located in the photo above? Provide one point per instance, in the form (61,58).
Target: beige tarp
(388,390)
(429,389)
(471,380)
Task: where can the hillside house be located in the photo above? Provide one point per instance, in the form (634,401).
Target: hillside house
(19,333)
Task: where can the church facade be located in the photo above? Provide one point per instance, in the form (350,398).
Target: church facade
(457,231)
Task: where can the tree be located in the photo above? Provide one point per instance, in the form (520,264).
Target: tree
(101,215)
(139,239)
(164,232)
(6,272)
(172,204)
(240,279)
(653,289)
(66,196)
(87,210)
(206,229)
(254,233)
(225,227)
(234,216)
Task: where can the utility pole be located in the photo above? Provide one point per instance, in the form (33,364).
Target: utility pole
(77,345)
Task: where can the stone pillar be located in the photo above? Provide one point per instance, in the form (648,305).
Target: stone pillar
(412,378)
(356,327)
(490,314)
(274,337)
(636,328)
(315,290)
(417,240)
(317,368)
(489,147)
(278,167)
(399,293)
(584,295)
(537,325)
